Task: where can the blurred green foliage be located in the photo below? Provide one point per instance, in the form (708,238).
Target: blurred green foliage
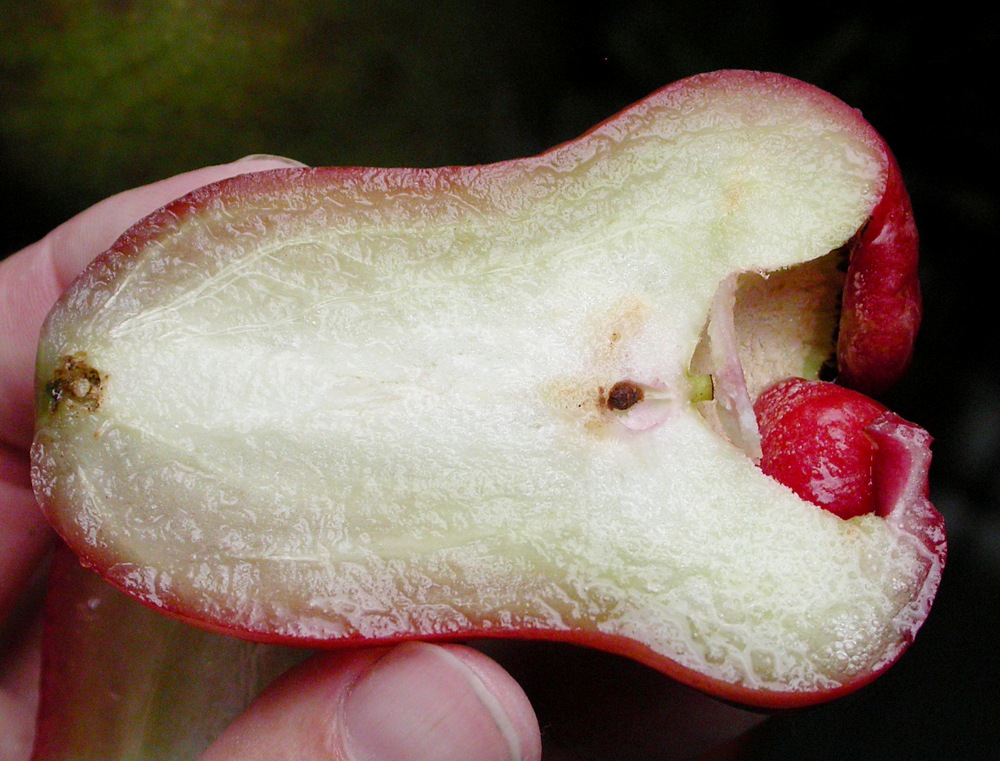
(102,96)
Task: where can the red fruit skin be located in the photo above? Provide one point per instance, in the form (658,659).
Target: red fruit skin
(815,441)
(881,308)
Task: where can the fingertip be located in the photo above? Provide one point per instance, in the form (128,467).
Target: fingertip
(514,703)
(441,703)
(413,701)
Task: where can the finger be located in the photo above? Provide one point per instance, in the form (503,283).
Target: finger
(412,702)
(32,279)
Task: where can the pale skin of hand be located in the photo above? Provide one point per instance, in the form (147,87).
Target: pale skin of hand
(411,702)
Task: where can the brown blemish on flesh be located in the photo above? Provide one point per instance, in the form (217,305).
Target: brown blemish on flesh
(618,326)
(75,382)
(583,396)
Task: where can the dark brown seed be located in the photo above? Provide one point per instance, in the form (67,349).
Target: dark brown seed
(623,395)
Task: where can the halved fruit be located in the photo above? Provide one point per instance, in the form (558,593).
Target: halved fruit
(335,406)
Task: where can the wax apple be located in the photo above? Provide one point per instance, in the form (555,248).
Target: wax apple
(335,406)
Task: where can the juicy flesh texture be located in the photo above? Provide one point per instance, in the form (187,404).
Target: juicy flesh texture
(342,405)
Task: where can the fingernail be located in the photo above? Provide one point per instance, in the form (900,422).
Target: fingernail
(421,701)
(271,157)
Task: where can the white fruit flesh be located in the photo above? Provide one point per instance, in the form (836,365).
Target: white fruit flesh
(373,406)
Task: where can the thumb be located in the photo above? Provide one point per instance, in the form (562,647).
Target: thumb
(411,702)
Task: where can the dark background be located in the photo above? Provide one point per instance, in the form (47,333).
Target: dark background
(98,97)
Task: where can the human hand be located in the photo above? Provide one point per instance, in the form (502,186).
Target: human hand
(410,702)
